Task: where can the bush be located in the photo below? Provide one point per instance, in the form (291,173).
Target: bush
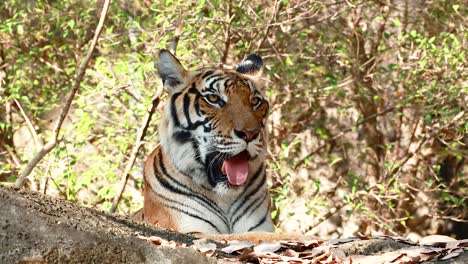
(368,119)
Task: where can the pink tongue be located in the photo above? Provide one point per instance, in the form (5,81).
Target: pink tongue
(237,171)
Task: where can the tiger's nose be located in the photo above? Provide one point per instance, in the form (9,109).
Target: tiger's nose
(247,134)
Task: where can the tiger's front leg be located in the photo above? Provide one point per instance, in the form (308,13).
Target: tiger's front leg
(256,237)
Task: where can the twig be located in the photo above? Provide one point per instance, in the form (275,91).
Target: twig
(270,24)
(12,154)
(447,217)
(326,216)
(387,9)
(409,154)
(81,72)
(47,173)
(140,137)
(36,138)
(227,43)
(387,110)
(177,33)
(331,212)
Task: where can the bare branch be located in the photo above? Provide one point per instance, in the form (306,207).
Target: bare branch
(227,42)
(325,217)
(36,138)
(81,72)
(409,154)
(276,7)
(177,33)
(12,154)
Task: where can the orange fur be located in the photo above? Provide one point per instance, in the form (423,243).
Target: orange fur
(257,237)
(153,211)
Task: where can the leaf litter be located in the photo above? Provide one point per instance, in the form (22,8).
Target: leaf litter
(327,252)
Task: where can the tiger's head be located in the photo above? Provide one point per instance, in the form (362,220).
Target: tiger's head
(213,127)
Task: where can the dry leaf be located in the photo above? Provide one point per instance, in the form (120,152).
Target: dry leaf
(237,246)
(338,253)
(453,254)
(289,253)
(286,259)
(458,244)
(249,256)
(162,242)
(436,239)
(204,246)
(266,247)
(301,245)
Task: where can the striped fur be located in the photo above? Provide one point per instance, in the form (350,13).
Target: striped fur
(212,116)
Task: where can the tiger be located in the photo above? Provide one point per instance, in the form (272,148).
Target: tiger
(207,175)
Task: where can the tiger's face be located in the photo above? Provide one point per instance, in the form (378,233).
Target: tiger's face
(213,128)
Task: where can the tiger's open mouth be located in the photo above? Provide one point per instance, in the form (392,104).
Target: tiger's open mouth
(234,169)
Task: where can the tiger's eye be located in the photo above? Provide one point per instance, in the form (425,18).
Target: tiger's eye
(213,98)
(255,101)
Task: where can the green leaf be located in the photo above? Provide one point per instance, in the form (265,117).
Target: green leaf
(274,213)
(288,61)
(71,23)
(396,22)
(20,30)
(336,160)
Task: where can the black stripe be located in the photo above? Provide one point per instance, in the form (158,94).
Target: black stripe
(186,107)
(213,76)
(187,191)
(202,200)
(197,94)
(238,213)
(261,221)
(193,90)
(207,128)
(196,105)
(207,73)
(193,216)
(226,83)
(254,202)
(175,117)
(197,152)
(260,203)
(211,87)
(182,136)
(190,125)
(176,202)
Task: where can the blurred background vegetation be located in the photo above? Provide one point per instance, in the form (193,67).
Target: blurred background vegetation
(368,125)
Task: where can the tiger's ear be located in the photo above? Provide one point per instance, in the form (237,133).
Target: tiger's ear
(171,71)
(250,66)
